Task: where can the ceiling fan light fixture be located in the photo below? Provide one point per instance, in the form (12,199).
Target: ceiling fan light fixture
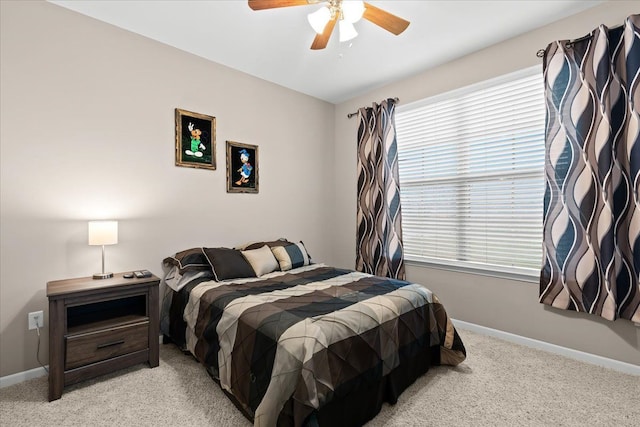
(352,10)
(319,19)
(342,12)
(347,30)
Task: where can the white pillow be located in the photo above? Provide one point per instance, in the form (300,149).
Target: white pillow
(262,260)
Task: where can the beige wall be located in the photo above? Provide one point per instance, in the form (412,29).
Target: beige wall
(497,303)
(87,132)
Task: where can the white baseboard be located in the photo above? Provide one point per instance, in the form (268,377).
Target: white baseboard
(22,376)
(19,377)
(593,359)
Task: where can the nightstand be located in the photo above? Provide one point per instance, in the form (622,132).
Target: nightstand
(99,326)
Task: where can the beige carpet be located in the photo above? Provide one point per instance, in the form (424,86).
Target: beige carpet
(500,384)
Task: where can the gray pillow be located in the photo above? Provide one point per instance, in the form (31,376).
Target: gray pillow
(257,245)
(188,260)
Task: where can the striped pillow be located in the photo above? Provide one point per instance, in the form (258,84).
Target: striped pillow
(291,256)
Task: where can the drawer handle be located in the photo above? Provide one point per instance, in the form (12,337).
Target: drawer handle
(110,344)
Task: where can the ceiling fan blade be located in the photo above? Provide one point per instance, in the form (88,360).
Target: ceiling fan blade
(321,40)
(390,22)
(272,4)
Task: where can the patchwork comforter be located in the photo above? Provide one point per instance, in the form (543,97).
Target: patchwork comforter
(313,345)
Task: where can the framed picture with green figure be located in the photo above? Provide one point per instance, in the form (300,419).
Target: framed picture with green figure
(195,140)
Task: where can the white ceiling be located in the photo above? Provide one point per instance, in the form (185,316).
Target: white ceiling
(274,44)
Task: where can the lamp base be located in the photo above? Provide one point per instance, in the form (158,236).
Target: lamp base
(102,275)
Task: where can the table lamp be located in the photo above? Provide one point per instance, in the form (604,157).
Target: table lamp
(103,233)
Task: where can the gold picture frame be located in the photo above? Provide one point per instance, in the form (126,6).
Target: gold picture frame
(242,168)
(195,140)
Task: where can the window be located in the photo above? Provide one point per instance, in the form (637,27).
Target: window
(471,166)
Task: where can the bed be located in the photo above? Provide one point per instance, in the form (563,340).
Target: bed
(297,343)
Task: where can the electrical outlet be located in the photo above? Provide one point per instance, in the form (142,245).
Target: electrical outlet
(36,318)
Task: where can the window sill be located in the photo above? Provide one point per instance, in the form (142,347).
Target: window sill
(520,277)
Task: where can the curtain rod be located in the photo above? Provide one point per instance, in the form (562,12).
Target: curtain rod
(356,113)
(569,44)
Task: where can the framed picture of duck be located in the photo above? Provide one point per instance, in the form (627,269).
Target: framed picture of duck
(242,168)
(195,140)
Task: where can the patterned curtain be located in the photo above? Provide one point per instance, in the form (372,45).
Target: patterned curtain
(592,199)
(379,241)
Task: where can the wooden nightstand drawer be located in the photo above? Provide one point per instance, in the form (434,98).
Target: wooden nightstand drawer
(83,349)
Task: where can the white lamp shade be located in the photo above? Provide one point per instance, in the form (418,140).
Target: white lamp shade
(318,19)
(347,31)
(352,10)
(103,233)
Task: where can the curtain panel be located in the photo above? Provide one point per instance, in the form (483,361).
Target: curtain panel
(379,231)
(591,245)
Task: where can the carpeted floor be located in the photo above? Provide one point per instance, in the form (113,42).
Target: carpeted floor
(500,384)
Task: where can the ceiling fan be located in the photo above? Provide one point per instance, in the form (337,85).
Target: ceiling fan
(345,13)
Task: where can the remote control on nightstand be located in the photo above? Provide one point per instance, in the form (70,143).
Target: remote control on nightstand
(142,274)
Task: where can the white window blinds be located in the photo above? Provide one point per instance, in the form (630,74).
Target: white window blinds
(471,168)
